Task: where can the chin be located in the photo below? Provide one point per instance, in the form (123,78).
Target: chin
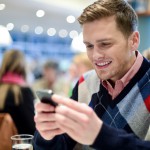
(103,76)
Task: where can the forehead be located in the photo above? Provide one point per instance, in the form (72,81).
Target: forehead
(105,27)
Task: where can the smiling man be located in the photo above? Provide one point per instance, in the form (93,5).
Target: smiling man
(116,93)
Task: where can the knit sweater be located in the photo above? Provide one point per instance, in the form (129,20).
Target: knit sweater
(128,111)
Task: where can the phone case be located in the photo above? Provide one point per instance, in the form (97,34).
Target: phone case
(45,97)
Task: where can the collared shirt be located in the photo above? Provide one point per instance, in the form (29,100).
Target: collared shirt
(120,84)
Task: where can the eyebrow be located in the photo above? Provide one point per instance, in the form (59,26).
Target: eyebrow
(98,41)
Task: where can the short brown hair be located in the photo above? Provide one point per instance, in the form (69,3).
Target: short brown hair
(126,17)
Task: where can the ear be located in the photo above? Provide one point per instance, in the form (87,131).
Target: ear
(134,40)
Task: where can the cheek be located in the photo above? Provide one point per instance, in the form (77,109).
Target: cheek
(90,56)
(120,63)
(120,56)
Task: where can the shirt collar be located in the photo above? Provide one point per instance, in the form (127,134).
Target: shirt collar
(127,77)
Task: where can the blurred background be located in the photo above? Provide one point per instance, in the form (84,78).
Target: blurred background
(48,34)
(49,30)
(42,28)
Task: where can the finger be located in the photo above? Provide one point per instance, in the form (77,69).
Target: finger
(42,107)
(72,114)
(72,133)
(66,122)
(72,104)
(69,126)
(44,117)
(44,126)
(48,135)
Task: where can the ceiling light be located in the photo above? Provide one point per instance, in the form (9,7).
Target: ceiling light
(63,33)
(25,28)
(2,6)
(70,19)
(10,26)
(40,13)
(73,34)
(51,31)
(38,30)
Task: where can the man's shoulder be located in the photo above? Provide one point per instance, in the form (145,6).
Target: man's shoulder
(91,80)
(90,74)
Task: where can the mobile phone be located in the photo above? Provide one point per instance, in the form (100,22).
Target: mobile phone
(45,97)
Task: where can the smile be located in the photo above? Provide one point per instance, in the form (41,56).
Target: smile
(103,63)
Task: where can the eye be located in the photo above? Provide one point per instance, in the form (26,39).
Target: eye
(105,44)
(89,46)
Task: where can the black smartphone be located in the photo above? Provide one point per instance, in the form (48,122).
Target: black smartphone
(45,97)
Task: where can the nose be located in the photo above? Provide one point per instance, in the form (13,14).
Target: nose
(98,54)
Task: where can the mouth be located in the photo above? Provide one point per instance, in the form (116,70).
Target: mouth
(102,65)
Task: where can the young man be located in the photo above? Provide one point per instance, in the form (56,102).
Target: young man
(117,93)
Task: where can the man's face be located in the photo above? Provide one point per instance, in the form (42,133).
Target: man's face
(110,52)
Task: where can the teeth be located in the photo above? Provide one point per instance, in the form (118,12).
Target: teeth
(103,64)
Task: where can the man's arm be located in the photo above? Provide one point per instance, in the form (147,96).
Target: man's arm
(61,142)
(116,139)
(85,127)
(107,138)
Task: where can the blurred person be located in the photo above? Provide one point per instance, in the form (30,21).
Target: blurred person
(67,79)
(146,53)
(109,107)
(49,77)
(80,65)
(16,96)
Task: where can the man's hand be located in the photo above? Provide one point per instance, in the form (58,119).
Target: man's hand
(78,120)
(45,121)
